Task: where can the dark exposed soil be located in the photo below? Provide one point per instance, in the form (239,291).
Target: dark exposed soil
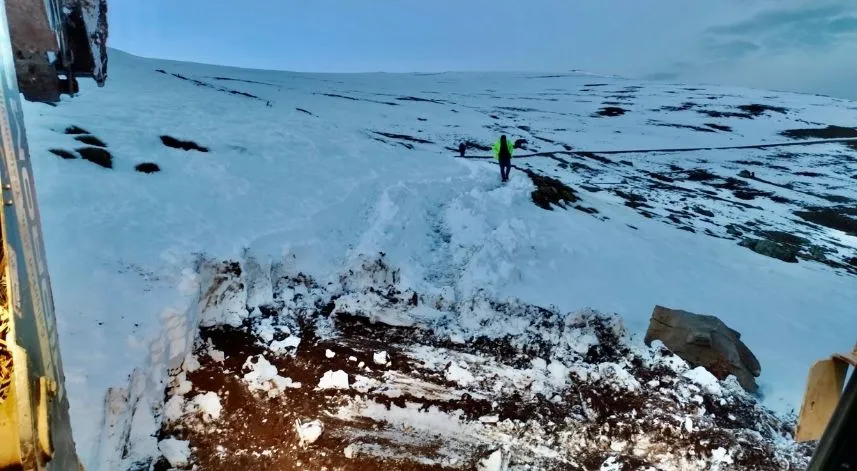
(75,130)
(611,111)
(403,137)
(91,140)
(834,218)
(170,141)
(830,132)
(97,156)
(63,154)
(550,192)
(719,127)
(147,167)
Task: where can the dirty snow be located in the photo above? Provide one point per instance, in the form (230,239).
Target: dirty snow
(316,191)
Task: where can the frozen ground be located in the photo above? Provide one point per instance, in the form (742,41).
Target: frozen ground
(319,170)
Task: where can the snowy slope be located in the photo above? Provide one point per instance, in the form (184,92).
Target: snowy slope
(321,169)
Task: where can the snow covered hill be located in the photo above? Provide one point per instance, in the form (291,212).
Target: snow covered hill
(319,171)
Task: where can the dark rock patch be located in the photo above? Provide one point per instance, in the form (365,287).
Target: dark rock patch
(75,130)
(422,119)
(680,126)
(200,83)
(413,98)
(403,137)
(586,210)
(687,106)
(758,110)
(779,199)
(830,132)
(700,175)
(170,141)
(611,111)
(147,167)
(524,128)
(809,174)
(595,85)
(661,177)
(834,218)
(334,95)
(724,114)
(550,192)
(703,211)
(596,157)
(63,154)
(304,111)
(91,140)
(97,156)
(632,200)
(719,127)
(544,139)
(705,341)
(769,248)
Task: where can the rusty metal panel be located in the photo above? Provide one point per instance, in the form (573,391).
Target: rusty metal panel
(36,356)
(30,26)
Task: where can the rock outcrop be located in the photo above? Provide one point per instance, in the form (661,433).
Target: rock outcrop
(705,341)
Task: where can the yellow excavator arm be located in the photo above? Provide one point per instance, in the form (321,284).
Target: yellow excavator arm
(44,46)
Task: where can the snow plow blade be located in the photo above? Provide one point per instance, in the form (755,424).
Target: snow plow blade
(823,392)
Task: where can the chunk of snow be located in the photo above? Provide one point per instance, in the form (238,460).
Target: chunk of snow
(209,405)
(380,358)
(558,373)
(539,363)
(265,328)
(349,451)
(309,432)
(329,354)
(334,380)
(352,358)
(361,365)
(190,364)
(217,355)
(459,374)
(688,425)
(489,419)
(176,452)
(174,408)
(183,386)
(705,380)
(263,376)
(287,345)
(610,464)
(493,462)
(720,456)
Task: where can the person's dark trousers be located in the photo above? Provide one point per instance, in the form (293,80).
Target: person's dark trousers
(505,168)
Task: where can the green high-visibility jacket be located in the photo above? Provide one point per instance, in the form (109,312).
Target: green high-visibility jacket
(496,148)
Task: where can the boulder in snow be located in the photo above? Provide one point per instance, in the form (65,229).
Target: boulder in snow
(705,341)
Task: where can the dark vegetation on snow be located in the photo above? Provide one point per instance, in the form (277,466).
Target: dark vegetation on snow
(345,97)
(63,154)
(200,83)
(147,167)
(829,132)
(75,130)
(170,141)
(842,218)
(402,137)
(550,192)
(97,156)
(611,111)
(413,98)
(91,140)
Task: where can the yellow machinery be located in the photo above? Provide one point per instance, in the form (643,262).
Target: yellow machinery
(44,45)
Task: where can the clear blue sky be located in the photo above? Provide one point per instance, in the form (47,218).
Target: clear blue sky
(799,45)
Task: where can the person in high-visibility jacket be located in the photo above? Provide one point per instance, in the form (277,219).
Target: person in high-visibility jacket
(502,150)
